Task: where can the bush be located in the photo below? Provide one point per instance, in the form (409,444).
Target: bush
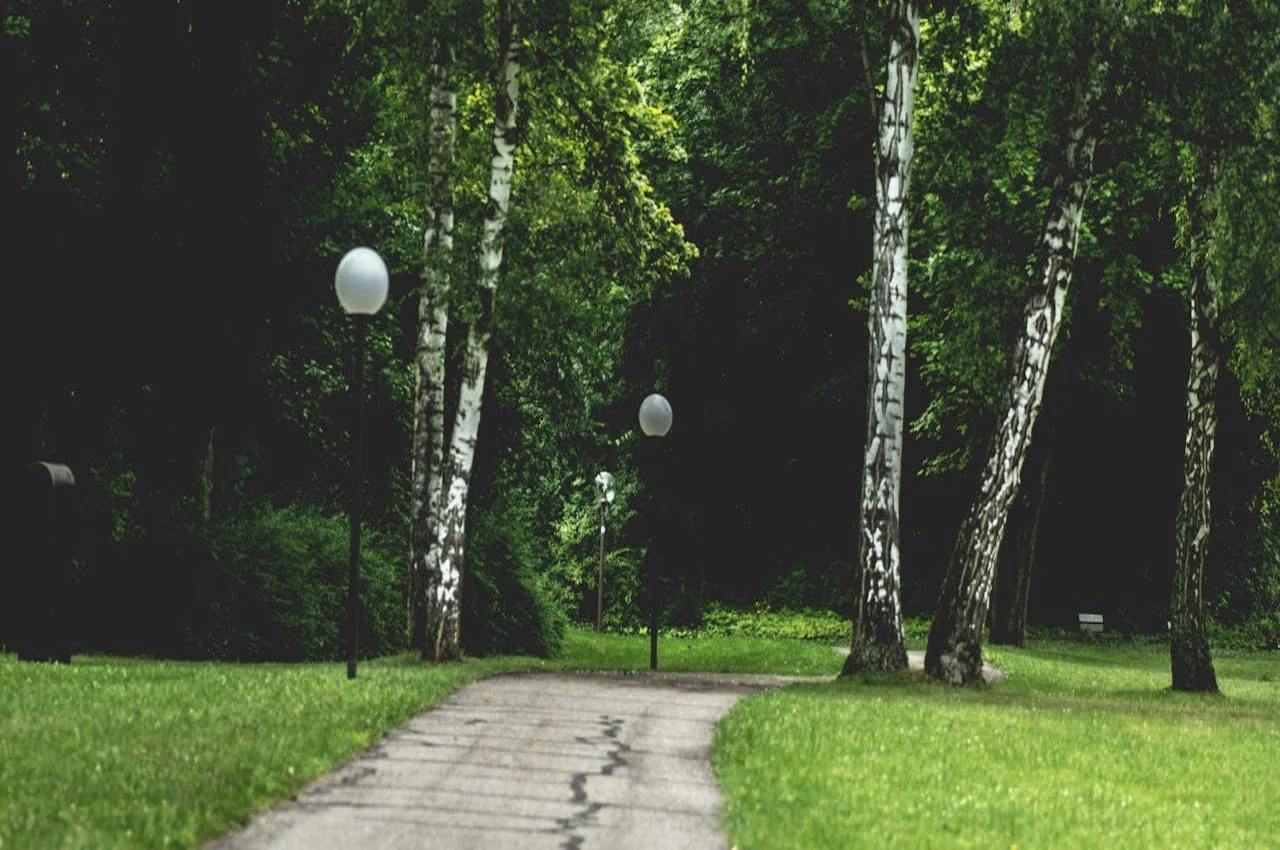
(507,604)
(273,586)
(574,566)
(916,629)
(719,621)
(819,585)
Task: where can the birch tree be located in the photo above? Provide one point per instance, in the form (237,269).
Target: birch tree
(426,487)
(444,634)
(954,652)
(878,641)
(1226,110)
(1188,645)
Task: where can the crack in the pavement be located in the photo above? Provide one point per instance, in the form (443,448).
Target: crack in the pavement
(615,758)
(356,775)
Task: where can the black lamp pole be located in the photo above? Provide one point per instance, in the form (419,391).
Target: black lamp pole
(656,531)
(357,475)
(604,509)
(653,614)
(655,421)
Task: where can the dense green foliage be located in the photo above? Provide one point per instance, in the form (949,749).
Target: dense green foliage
(273,586)
(1081,746)
(761,622)
(690,215)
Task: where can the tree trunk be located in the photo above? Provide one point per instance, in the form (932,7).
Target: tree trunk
(954,652)
(1017,561)
(878,642)
(433,325)
(206,480)
(1188,645)
(446,638)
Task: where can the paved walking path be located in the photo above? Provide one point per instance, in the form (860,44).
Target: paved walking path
(529,761)
(563,761)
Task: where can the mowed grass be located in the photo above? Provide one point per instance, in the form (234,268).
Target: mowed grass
(116,752)
(587,650)
(1081,747)
(112,752)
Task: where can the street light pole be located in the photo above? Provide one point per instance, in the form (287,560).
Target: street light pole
(605,493)
(361,284)
(600,577)
(357,477)
(655,421)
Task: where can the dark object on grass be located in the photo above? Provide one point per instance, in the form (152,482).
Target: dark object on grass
(43,576)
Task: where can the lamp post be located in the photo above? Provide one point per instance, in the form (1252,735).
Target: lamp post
(605,493)
(655,421)
(361,283)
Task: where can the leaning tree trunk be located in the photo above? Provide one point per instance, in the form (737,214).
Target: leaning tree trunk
(462,446)
(954,652)
(1017,562)
(1188,645)
(433,325)
(878,642)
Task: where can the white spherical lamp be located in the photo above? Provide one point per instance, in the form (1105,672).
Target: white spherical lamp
(655,416)
(361,281)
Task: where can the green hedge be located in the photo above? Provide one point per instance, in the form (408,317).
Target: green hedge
(719,621)
(273,586)
(508,606)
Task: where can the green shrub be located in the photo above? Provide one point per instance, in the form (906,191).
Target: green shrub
(272,585)
(818,585)
(624,591)
(507,604)
(1261,631)
(916,630)
(574,567)
(761,621)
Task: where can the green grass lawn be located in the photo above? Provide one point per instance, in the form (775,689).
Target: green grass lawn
(1082,747)
(586,650)
(113,752)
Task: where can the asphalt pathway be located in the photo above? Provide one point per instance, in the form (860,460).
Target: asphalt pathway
(563,761)
(533,761)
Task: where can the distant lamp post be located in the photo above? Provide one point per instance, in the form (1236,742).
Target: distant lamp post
(361,283)
(655,421)
(605,494)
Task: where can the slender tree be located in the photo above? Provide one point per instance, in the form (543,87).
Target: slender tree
(1188,644)
(878,642)
(451,534)
(954,651)
(429,359)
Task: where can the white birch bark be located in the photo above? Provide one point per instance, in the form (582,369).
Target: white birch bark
(954,652)
(1190,658)
(466,427)
(426,487)
(878,642)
